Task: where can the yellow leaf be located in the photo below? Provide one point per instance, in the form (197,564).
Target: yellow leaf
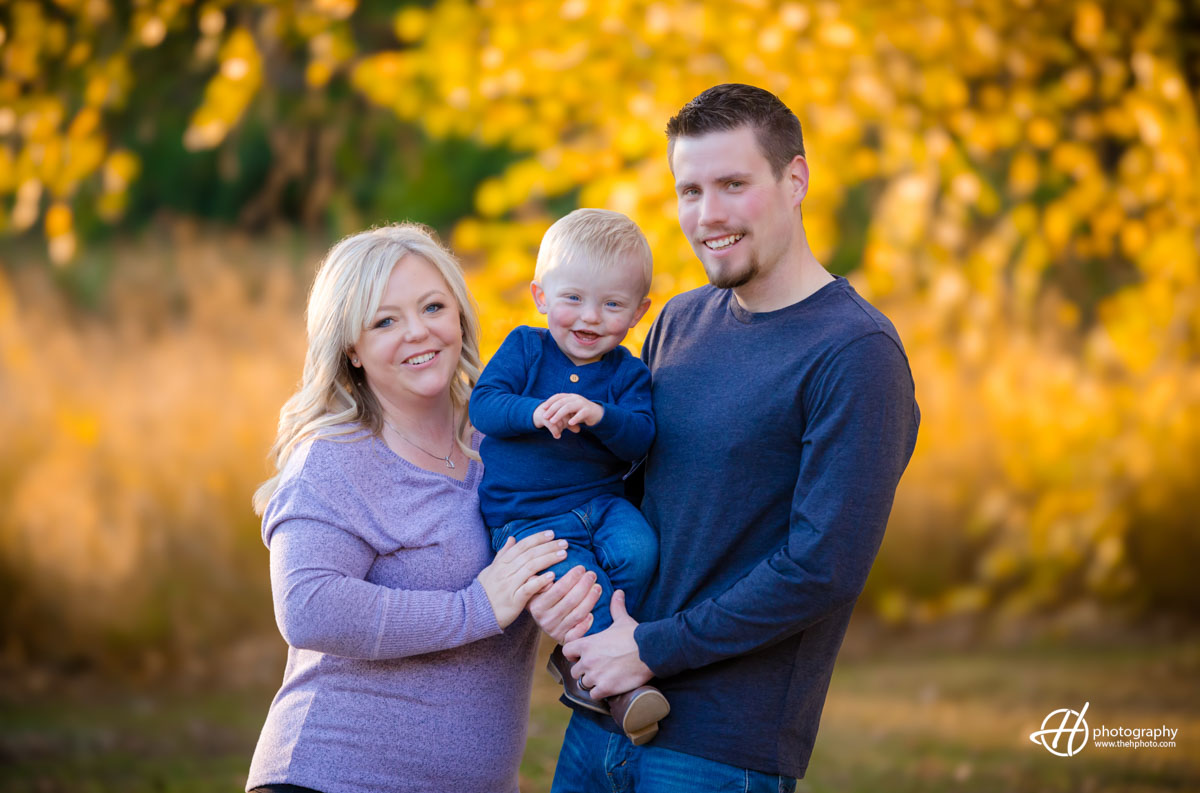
(58,221)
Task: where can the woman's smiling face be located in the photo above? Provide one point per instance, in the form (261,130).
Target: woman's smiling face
(411,345)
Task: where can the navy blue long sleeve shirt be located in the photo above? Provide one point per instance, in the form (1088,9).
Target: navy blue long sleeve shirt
(781,439)
(527,472)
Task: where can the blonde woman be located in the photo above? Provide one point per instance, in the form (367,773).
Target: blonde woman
(409,660)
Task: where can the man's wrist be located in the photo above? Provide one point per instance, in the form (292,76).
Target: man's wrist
(659,647)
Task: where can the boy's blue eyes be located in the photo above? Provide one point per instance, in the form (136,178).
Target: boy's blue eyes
(577,298)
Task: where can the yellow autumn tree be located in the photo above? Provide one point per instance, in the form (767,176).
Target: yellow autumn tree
(1016,183)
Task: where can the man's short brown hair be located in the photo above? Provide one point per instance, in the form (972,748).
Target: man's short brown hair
(733,105)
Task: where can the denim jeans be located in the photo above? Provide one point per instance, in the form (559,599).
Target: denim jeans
(594,760)
(608,536)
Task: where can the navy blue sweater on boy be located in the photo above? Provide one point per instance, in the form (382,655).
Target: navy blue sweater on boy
(527,472)
(781,439)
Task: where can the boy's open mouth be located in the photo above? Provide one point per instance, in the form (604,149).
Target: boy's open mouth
(585,336)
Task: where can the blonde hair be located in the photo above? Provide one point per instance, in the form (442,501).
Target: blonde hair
(594,239)
(346,293)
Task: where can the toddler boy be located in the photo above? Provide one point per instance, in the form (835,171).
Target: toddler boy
(566,410)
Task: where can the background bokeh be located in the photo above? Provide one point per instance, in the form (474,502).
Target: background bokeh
(1016,183)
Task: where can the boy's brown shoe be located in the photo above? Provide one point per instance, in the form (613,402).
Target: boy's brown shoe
(638,712)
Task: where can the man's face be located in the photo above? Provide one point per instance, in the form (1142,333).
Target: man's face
(737,215)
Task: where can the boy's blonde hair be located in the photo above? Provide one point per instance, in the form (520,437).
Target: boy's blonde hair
(594,240)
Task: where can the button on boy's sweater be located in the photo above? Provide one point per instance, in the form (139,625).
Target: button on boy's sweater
(530,474)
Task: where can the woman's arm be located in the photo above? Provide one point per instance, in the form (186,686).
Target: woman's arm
(323,603)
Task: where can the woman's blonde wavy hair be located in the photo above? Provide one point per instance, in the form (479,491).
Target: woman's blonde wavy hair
(346,293)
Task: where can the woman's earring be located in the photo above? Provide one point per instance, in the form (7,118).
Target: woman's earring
(354,361)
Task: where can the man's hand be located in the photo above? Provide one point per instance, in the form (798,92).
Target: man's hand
(608,661)
(565,610)
(567,412)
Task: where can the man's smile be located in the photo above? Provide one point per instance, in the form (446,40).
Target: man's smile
(719,243)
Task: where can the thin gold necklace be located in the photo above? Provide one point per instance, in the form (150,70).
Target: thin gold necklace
(446,459)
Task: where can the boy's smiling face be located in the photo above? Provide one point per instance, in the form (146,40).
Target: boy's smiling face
(590,312)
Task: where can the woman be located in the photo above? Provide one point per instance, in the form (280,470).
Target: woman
(409,663)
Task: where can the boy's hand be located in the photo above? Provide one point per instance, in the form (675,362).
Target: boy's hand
(541,419)
(567,411)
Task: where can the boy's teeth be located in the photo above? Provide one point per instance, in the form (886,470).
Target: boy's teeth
(723,242)
(420,359)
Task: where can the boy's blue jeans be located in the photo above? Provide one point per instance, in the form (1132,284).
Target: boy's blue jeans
(608,536)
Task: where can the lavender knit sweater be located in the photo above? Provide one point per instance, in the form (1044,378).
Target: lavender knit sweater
(398,677)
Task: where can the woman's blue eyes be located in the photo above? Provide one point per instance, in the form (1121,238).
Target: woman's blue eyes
(432,308)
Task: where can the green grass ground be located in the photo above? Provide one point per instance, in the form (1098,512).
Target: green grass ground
(911,719)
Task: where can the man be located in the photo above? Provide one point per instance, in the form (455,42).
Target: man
(786,416)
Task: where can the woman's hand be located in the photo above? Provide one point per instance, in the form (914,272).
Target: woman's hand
(565,609)
(512,577)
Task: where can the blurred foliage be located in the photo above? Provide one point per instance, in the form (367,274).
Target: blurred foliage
(133,437)
(114,113)
(1014,183)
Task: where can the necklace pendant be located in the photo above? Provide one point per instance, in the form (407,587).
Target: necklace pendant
(449,462)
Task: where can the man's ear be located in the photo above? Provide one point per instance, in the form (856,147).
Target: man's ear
(641,311)
(797,175)
(539,295)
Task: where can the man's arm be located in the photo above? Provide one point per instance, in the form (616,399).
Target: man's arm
(861,426)
(497,406)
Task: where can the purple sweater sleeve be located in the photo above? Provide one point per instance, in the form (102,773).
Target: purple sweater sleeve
(323,603)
